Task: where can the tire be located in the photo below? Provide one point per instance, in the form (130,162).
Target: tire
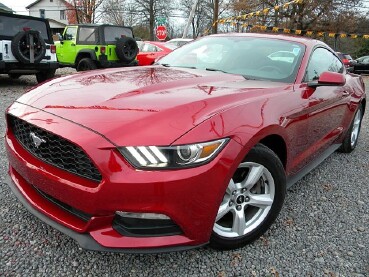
(86,64)
(42,76)
(14,76)
(352,135)
(252,201)
(126,49)
(21,47)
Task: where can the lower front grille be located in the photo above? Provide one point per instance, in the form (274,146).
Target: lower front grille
(53,149)
(81,215)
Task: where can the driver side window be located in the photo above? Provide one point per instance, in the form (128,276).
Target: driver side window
(322,60)
(70,34)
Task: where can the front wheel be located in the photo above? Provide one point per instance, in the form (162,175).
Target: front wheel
(252,201)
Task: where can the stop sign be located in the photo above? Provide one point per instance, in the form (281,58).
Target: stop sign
(161,32)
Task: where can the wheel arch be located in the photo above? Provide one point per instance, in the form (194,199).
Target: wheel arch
(277,144)
(85,53)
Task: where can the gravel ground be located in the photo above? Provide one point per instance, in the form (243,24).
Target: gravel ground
(322,230)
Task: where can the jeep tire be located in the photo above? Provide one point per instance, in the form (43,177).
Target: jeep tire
(42,76)
(86,64)
(21,47)
(126,49)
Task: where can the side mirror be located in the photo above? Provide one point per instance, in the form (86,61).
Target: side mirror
(328,78)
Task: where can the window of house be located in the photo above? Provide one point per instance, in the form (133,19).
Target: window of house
(42,13)
(62,15)
(322,60)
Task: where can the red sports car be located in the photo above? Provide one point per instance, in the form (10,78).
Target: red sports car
(199,148)
(150,51)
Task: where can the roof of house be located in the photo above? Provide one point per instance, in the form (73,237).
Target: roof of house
(38,1)
(5,8)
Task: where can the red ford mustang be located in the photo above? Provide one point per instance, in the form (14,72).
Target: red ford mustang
(199,148)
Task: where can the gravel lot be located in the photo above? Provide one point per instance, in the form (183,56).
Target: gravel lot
(323,229)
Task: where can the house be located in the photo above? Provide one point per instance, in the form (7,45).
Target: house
(6,9)
(56,11)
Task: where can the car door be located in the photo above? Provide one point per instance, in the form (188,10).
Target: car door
(327,105)
(66,51)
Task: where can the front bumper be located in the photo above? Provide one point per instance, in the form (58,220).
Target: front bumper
(85,240)
(189,197)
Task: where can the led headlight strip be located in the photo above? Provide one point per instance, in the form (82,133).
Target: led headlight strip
(179,156)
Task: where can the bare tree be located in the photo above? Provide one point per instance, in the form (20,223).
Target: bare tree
(309,14)
(151,9)
(113,11)
(86,10)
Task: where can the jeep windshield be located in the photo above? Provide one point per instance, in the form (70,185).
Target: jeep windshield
(113,33)
(10,26)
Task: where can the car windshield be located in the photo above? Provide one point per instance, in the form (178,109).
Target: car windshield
(253,57)
(113,33)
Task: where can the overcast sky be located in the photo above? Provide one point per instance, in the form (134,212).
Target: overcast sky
(19,6)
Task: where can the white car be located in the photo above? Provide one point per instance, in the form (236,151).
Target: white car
(177,42)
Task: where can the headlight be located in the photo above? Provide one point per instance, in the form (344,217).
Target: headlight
(179,156)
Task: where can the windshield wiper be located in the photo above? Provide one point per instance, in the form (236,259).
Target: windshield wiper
(214,69)
(182,66)
(250,78)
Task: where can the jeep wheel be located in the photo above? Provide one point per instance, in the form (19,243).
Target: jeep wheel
(42,76)
(22,44)
(126,49)
(86,64)
(14,76)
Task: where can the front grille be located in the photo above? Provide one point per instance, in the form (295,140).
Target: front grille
(53,149)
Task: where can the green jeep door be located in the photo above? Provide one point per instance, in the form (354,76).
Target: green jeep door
(66,51)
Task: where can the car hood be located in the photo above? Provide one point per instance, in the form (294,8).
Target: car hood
(144,105)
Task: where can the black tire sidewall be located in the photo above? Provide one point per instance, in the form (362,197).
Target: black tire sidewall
(262,155)
(16,46)
(89,63)
(121,44)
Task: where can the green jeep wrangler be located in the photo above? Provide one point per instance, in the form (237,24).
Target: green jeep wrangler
(91,46)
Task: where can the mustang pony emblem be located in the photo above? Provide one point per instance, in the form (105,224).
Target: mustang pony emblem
(36,140)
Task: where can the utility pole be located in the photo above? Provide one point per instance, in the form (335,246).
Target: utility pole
(215,16)
(190,18)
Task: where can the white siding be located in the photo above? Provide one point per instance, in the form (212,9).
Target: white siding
(52,10)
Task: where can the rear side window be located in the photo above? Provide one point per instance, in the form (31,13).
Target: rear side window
(113,33)
(10,26)
(87,35)
(322,60)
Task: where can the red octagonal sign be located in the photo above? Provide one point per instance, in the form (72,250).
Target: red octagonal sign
(161,32)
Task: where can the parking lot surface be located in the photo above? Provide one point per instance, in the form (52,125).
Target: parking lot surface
(323,229)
